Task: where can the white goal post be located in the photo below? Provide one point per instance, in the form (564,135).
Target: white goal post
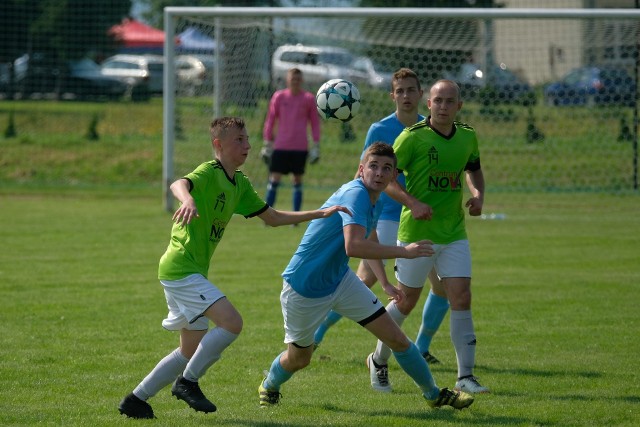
(541,55)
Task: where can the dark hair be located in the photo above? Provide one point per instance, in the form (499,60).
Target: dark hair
(380,149)
(220,125)
(404,73)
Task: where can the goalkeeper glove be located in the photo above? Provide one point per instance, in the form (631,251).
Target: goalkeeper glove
(314,154)
(266,152)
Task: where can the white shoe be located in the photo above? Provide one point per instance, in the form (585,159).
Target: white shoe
(470,384)
(379,375)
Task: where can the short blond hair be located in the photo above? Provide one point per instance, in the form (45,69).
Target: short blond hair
(220,126)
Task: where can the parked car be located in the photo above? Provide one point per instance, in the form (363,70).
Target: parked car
(38,74)
(85,80)
(499,86)
(141,73)
(5,76)
(367,72)
(317,63)
(592,85)
(191,74)
(209,61)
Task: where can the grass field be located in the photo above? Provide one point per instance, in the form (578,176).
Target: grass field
(580,150)
(555,283)
(555,307)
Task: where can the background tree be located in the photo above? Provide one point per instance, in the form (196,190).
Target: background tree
(71,29)
(55,30)
(155,8)
(15,19)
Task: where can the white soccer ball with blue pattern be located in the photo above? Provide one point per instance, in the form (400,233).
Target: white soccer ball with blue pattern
(338,99)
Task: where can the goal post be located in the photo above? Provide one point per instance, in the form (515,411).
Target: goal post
(505,59)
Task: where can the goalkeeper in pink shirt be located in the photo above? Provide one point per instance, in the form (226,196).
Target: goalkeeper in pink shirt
(285,134)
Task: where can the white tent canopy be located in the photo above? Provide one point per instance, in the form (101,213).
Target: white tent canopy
(193,40)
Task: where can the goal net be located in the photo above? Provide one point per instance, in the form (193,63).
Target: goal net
(551,92)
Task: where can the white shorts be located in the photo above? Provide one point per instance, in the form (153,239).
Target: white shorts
(302,316)
(187,300)
(450,260)
(387,231)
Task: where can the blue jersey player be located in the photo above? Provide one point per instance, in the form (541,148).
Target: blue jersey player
(318,279)
(406,94)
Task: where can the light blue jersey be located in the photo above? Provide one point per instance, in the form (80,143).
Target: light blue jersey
(387,130)
(320,262)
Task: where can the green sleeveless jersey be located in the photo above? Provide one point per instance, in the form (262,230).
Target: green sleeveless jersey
(217,197)
(434,166)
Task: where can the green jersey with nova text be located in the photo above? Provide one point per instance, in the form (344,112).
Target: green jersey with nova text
(434,165)
(217,197)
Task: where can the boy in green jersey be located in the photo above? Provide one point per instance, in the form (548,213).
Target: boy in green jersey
(434,154)
(209,197)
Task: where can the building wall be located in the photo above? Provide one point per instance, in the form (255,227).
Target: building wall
(543,50)
(539,50)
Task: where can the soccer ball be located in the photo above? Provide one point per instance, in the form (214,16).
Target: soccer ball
(338,99)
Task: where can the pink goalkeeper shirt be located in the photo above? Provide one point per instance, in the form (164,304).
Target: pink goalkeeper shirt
(293,113)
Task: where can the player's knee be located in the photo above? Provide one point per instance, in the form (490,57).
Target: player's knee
(437,287)
(233,323)
(301,361)
(237,325)
(398,342)
(407,304)
(461,300)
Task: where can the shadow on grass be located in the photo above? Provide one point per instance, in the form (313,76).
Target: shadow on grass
(444,414)
(582,398)
(254,423)
(538,372)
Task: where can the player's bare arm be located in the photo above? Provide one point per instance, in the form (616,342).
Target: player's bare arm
(475,182)
(378,269)
(187,210)
(358,246)
(419,210)
(275,218)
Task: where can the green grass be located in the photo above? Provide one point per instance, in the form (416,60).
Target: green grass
(580,151)
(555,283)
(555,307)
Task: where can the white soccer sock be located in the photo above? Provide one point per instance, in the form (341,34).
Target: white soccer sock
(209,351)
(464,341)
(165,372)
(383,353)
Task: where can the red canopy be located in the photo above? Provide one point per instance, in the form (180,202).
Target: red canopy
(131,33)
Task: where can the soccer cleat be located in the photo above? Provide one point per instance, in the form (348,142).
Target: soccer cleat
(430,358)
(190,392)
(455,399)
(268,397)
(134,407)
(471,385)
(379,375)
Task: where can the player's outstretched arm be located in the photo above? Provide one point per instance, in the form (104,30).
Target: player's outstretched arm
(418,249)
(276,218)
(378,269)
(358,246)
(187,210)
(418,209)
